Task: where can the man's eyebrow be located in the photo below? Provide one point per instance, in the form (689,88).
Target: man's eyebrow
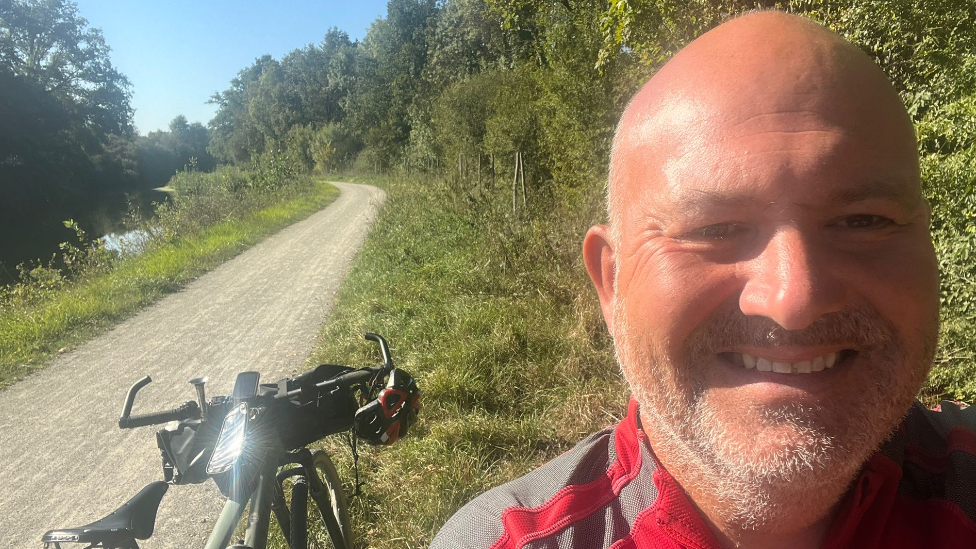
(702,201)
(902,192)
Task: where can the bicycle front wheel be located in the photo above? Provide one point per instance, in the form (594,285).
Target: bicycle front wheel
(326,491)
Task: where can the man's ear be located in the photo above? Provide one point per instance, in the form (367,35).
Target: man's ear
(601,263)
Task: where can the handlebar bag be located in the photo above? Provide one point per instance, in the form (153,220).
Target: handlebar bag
(186,450)
(323,413)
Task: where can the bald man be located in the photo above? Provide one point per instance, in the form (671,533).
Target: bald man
(772,290)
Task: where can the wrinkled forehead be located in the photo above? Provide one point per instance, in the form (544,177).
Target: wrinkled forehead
(734,99)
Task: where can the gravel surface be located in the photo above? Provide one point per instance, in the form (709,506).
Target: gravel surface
(63,460)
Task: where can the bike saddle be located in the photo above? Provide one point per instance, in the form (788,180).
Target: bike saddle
(134,520)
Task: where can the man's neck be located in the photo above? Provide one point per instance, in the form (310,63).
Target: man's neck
(775,517)
(811,536)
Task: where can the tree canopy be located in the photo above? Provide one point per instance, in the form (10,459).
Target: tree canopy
(49,45)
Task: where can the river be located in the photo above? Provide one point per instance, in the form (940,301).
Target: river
(40,236)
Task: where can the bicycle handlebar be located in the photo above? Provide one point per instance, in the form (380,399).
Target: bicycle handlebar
(191,410)
(384,349)
(187,410)
(344,380)
(350,378)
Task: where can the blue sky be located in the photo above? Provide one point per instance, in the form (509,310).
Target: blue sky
(177,53)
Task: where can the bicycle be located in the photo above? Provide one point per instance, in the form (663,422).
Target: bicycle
(258,443)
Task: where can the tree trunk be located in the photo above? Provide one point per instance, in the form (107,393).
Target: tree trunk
(479,171)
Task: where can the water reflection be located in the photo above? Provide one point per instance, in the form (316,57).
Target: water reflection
(32,232)
(129,243)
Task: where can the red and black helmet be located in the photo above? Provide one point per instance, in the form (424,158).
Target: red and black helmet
(390,415)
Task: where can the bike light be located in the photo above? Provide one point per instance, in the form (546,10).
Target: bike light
(230,442)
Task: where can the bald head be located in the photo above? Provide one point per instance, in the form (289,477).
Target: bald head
(743,77)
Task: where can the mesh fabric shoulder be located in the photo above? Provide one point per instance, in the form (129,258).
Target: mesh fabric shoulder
(588,497)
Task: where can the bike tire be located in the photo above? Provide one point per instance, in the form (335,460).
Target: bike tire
(331,500)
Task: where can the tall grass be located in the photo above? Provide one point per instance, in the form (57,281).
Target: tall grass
(493,313)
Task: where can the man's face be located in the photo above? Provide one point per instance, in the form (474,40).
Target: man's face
(775,299)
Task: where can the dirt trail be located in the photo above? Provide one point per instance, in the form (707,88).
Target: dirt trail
(63,460)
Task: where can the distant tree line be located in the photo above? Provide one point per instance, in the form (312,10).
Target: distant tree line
(467,86)
(473,86)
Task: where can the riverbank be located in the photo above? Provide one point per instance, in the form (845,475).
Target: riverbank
(31,331)
(34,237)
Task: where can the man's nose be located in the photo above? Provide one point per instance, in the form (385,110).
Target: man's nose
(791,283)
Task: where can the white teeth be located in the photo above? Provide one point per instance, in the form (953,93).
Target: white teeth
(818,364)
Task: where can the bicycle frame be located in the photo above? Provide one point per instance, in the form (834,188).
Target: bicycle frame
(267,498)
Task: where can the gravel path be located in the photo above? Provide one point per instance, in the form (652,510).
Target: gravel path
(63,460)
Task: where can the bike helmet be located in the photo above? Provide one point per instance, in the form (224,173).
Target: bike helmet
(388,417)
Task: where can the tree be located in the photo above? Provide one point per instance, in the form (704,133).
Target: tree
(309,86)
(47,43)
(234,134)
(389,77)
(65,119)
(163,153)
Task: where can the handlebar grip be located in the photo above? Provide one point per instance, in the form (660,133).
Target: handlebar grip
(351,378)
(187,410)
(384,349)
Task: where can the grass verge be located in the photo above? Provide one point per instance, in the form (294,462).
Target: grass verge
(494,315)
(31,333)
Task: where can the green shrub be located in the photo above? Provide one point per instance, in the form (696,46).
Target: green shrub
(202,199)
(949,182)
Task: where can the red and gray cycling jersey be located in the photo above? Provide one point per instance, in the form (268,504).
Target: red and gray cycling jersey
(918,490)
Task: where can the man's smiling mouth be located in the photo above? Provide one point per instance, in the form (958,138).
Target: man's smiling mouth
(763,364)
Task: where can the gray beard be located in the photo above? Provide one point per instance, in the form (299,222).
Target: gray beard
(806,473)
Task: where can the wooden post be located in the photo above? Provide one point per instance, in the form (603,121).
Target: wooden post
(460,169)
(479,171)
(522,177)
(518,157)
(492,171)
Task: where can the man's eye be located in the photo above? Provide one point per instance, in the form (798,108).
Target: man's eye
(865,221)
(718,231)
